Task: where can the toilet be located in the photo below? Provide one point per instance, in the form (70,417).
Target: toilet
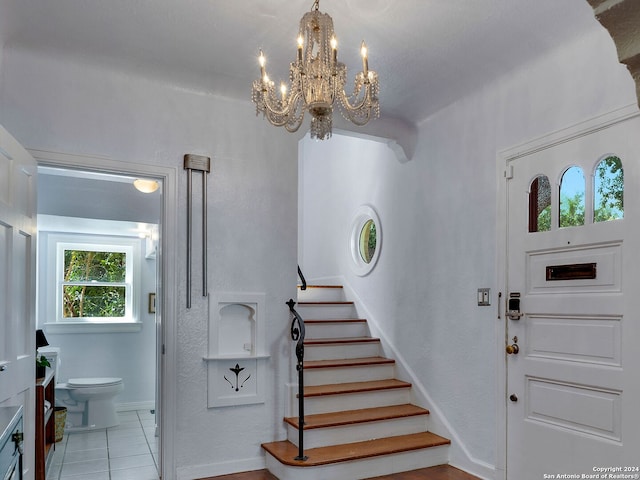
(89,401)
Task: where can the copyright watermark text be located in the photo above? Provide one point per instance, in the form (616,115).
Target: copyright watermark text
(600,473)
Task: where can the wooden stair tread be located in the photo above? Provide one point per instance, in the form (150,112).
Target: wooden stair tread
(324,303)
(354,387)
(348,362)
(285,452)
(335,320)
(350,417)
(321,286)
(329,341)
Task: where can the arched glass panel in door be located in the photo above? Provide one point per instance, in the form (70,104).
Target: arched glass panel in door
(540,204)
(608,190)
(572,188)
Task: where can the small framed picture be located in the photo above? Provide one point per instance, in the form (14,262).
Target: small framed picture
(152,303)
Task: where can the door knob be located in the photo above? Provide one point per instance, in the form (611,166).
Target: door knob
(513,349)
(513,397)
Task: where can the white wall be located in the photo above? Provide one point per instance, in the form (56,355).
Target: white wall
(438,215)
(56,104)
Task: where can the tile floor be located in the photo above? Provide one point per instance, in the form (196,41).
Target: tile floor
(126,452)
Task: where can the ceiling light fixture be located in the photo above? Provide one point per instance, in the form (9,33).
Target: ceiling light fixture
(316,81)
(146,186)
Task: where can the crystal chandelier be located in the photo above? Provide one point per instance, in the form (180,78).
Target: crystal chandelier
(316,82)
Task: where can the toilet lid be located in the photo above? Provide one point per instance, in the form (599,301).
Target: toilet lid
(93,382)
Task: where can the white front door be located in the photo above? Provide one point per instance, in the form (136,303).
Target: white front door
(573,367)
(17,284)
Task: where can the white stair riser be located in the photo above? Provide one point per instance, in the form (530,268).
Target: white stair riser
(321,295)
(364,468)
(341,350)
(322,437)
(336,330)
(354,401)
(365,373)
(329,311)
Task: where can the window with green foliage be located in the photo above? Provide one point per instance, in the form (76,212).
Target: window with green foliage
(368,241)
(94,284)
(572,188)
(608,190)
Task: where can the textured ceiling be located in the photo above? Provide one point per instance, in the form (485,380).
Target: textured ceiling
(427,53)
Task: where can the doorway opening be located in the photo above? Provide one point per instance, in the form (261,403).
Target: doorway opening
(96,197)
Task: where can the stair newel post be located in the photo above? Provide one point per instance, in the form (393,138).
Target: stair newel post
(297,335)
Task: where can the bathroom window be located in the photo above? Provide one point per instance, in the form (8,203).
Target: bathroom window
(94,283)
(90,282)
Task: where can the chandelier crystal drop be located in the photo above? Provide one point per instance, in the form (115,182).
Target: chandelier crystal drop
(316,83)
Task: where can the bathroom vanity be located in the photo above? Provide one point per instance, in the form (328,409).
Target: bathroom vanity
(45,422)
(11,438)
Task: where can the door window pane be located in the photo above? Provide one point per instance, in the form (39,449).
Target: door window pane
(608,190)
(540,204)
(572,188)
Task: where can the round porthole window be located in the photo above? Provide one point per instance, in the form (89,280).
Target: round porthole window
(366,240)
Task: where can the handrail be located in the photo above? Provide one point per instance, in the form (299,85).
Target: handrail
(297,335)
(302,279)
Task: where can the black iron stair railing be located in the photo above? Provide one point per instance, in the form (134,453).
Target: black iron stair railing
(297,335)
(302,279)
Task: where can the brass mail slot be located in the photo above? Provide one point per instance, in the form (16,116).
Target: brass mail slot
(576,271)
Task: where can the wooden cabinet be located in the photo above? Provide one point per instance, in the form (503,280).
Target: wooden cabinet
(45,422)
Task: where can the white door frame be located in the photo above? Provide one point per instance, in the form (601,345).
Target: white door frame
(168,260)
(503,157)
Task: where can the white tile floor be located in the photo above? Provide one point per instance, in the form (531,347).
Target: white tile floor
(126,452)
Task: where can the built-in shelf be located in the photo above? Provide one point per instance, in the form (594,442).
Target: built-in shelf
(45,423)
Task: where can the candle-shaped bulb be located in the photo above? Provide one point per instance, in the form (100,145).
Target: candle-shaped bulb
(262,61)
(283,91)
(300,45)
(334,50)
(365,62)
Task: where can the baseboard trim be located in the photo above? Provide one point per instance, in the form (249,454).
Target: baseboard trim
(222,468)
(131,406)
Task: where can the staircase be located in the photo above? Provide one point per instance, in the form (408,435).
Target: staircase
(359,420)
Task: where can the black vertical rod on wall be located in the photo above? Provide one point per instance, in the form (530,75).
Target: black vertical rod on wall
(298,334)
(202,164)
(189,218)
(204,235)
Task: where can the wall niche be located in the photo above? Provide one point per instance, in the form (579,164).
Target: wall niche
(237,354)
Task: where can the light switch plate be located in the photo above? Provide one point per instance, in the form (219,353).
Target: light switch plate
(483,297)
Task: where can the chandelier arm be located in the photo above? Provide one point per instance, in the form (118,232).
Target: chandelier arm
(344,100)
(271,104)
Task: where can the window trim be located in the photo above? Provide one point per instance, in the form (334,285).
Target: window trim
(127,249)
(52,318)
(363,214)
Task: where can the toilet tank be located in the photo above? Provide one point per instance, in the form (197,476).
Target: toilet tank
(53,355)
